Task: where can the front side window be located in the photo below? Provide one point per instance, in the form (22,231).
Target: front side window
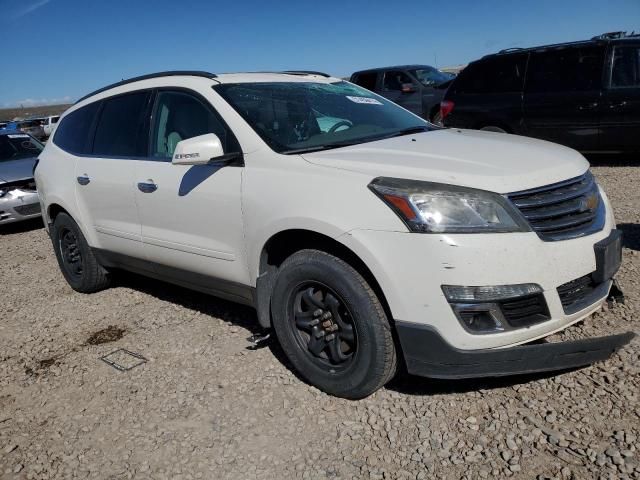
(393,80)
(179,116)
(120,131)
(292,117)
(574,69)
(625,70)
(19,145)
(72,135)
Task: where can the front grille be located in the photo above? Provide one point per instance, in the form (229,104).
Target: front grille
(525,311)
(30,209)
(564,210)
(575,291)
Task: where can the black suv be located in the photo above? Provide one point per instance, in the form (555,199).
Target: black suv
(418,88)
(585,95)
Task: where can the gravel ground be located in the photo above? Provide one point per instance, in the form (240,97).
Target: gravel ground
(204,406)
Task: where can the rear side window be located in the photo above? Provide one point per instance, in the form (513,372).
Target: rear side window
(566,70)
(121,131)
(366,80)
(625,70)
(500,74)
(72,135)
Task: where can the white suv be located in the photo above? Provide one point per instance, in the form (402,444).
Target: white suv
(365,236)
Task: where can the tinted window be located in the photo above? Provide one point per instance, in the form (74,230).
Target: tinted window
(500,74)
(15,146)
(73,132)
(394,79)
(120,130)
(367,80)
(566,70)
(626,67)
(179,116)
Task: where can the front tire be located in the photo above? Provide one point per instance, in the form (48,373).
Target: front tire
(331,325)
(77,262)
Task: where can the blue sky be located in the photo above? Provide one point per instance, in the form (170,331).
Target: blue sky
(62,49)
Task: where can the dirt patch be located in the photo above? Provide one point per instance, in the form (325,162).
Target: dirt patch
(106,335)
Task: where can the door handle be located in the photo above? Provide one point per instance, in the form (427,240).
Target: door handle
(83,179)
(616,106)
(147,187)
(588,106)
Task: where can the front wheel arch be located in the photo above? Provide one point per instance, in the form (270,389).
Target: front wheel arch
(284,244)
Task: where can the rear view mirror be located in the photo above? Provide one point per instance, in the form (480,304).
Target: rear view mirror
(199,150)
(408,88)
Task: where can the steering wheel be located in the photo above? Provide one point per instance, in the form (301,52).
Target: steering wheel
(342,123)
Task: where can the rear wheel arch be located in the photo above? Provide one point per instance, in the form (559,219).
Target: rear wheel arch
(282,245)
(54,210)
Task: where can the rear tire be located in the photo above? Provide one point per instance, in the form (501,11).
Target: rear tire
(331,325)
(77,262)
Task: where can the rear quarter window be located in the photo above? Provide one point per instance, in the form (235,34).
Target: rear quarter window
(72,135)
(500,74)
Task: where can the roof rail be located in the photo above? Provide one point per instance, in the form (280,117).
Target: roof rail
(512,49)
(305,72)
(171,73)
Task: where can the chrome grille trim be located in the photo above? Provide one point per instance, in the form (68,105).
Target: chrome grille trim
(563,210)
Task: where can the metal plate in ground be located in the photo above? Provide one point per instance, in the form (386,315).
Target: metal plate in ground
(123,360)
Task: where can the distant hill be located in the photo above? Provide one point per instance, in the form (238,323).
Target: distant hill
(31,112)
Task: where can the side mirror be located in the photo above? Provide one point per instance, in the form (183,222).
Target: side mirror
(408,88)
(202,150)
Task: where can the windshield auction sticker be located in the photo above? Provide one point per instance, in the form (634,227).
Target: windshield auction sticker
(366,100)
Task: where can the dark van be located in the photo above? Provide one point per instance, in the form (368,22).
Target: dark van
(585,95)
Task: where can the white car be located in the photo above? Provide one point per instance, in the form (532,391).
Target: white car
(49,124)
(378,241)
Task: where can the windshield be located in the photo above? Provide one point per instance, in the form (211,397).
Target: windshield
(430,76)
(305,116)
(16,146)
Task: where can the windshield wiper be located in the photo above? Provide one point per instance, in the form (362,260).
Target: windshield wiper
(319,148)
(407,131)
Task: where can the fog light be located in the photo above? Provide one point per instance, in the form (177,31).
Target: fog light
(479,309)
(480,318)
(456,293)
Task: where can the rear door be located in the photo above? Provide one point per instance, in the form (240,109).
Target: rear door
(563,95)
(105,176)
(400,88)
(620,121)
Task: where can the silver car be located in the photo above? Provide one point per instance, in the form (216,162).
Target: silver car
(18,195)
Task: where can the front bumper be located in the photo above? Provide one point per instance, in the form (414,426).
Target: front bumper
(427,354)
(19,205)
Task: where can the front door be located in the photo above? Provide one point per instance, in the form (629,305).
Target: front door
(105,176)
(562,96)
(620,121)
(191,215)
(400,88)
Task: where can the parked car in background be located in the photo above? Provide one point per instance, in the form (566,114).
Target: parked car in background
(18,196)
(33,127)
(49,124)
(418,88)
(3,125)
(364,239)
(585,95)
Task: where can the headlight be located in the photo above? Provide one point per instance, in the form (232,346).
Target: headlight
(437,208)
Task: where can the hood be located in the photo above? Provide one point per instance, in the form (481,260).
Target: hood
(17,169)
(496,162)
